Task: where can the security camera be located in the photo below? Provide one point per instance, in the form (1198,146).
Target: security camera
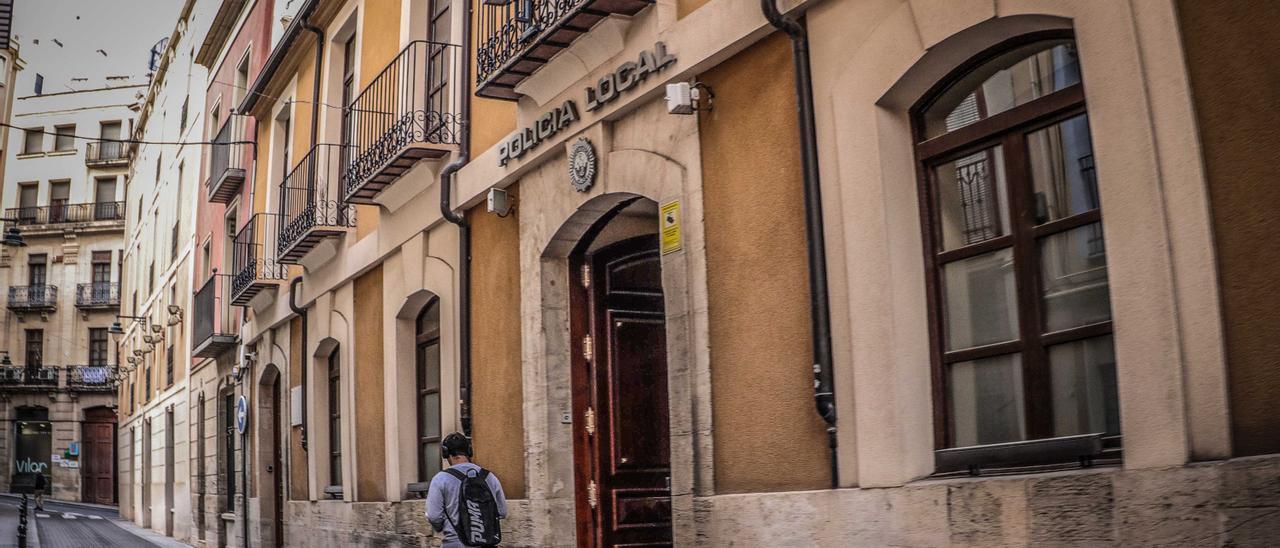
(684,97)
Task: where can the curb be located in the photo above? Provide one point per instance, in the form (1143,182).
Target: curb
(68,502)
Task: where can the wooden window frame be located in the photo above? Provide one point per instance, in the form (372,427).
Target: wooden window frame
(423,340)
(1008,129)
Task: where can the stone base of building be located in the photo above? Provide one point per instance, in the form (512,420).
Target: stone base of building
(1222,503)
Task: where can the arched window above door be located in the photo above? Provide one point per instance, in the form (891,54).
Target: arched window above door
(1020,311)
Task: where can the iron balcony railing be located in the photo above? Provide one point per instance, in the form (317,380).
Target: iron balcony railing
(33,297)
(88,378)
(66,213)
(228,159)
(407,113)
(517,37)
(214,328)
(253,259)
(310,208)
(29,377)
(98,295)
(106,153)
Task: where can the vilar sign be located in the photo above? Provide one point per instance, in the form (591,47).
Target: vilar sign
(627,76)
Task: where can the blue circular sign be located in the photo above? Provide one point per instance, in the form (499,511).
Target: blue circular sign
(242,414)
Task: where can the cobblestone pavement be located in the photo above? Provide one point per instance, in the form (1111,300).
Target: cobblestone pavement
(66,526)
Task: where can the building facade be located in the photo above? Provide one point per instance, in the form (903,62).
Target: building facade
(160,311)
(63,183)
(859,272)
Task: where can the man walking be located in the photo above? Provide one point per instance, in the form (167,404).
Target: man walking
(465,501)
(38,489)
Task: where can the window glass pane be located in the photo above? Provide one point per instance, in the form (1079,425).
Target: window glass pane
(431,366)
(986,400)
(1083,376)
(1062,174)
(1073,273)
(1010,80)
(972,205)
(64,139)
(431,460)
(429,414)
(33,140)
(982,304)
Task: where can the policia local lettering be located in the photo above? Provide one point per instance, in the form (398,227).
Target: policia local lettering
(606,90)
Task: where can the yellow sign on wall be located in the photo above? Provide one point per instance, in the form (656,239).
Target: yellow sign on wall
(669,221)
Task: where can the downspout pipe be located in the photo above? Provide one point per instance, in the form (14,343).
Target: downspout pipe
(819,297)
(295,286)
(464,230)
(315,81)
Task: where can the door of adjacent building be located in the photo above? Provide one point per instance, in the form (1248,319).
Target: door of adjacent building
(98,467)
(621,427)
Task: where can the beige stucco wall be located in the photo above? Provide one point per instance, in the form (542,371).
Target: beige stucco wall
(1233,82)
(497,401)
(761,370)
(370,452)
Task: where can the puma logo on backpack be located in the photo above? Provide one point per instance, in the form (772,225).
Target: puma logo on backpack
(477,510)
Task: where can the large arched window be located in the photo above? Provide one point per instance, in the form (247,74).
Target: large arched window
(1020,311)
(427,367)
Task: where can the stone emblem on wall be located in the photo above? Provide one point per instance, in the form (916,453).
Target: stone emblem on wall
(582,165)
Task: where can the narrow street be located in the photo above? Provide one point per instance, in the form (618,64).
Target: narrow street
(62,525)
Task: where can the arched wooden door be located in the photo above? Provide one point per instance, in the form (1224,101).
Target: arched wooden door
(621,426)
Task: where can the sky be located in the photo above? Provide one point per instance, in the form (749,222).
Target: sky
(60,39)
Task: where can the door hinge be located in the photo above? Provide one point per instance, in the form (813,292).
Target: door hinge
(586,275)
(593,494)
(589,421)
(588,348)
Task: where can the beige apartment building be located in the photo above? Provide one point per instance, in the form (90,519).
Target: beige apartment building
(61,199)
(716,272)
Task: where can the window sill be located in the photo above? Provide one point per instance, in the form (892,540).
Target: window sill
(25,155)
(61,153)
(334,492)
(1083,449)
(417,490)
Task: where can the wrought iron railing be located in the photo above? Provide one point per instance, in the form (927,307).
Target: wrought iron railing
(91,377)
(33,297)
(98,295)
(509,32)
(212,309)
(228,159)
(309,202)
(411,101)
(253,257)
(106,152)
(66,213)
(22,376)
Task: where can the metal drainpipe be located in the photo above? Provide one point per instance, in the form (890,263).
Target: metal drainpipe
(464,231)
(294,286)
(820,306)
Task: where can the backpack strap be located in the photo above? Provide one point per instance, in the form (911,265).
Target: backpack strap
(482,475)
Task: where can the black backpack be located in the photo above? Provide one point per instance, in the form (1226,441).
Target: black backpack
(477,510)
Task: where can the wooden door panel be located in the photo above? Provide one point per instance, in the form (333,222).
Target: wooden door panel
(638,413)
(97,462)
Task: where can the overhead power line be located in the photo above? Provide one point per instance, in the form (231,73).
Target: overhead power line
(124,141)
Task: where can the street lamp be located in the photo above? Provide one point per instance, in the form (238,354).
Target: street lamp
(13,238)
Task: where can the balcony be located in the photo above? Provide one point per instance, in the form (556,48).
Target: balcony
(20,377)
(33,298)
(90,378)
(253,264)
(214,331)
(406,114)
(228,161)
(106,154)
(517,38)
(66,213)
(310,210)
(98,295)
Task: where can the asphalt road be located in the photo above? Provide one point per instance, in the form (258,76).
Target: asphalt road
(67,526)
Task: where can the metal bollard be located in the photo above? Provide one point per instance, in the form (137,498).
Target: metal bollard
(22,522)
